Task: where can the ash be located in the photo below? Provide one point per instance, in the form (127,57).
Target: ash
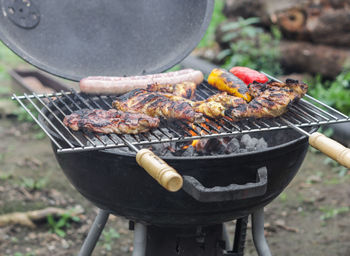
(215,146)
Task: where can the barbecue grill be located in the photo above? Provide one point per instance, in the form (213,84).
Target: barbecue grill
(215,188)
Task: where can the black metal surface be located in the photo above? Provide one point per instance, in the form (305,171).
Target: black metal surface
(228,193)
(75,39)
(112,180)
(240,236)
(194,241)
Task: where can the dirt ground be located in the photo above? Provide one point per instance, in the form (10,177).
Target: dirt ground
(311,217)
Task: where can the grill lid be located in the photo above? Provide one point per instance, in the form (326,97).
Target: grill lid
(75,39)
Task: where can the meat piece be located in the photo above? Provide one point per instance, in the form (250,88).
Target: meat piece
(120,85)
(227,100)
(110,121)
(210,108)
(271,99)
(157,105)
(227,82)
(214,106)
(186,89)
(248,75)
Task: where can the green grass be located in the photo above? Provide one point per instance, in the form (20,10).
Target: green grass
(334,93)
(209,37)
(251,46)
(8,60)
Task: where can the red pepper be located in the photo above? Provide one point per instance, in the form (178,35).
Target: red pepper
(248,75)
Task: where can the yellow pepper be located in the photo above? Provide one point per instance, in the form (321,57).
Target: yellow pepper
(227,82)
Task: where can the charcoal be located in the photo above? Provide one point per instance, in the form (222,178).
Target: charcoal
(169,153)
(262,144)
(213,146)
(189,151)
(233,146)
(250,146)
(245,139)
(220,149)
(243,150)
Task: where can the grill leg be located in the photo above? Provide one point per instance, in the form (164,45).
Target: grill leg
(140,240)
(240,235)
(94,233)
(258,233)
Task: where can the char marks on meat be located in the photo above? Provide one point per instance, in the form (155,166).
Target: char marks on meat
(156,105)
(110,121)
(185,89)
(270,99)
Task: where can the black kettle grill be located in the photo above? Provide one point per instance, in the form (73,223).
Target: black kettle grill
(75,39)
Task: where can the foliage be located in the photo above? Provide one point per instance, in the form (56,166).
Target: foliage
(108,237)
(329,212)
(334,93)
(26,254)
(283,197)
(7,59)
(340,170)
(23,116)
(33,184)
(58,226)
(250,46)
(217,18)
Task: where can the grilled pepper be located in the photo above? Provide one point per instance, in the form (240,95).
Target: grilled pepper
(248,75)
(227,82)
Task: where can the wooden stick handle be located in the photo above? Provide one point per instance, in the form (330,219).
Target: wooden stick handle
(167,176)
(331,148)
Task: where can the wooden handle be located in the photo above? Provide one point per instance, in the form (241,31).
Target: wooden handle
(167,176)
(331,148)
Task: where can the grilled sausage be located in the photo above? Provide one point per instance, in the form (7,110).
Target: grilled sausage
(120,85)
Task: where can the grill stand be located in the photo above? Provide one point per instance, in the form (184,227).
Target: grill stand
(194,241)
(94,233)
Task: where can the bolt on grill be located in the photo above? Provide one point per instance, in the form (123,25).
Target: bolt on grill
(52,108)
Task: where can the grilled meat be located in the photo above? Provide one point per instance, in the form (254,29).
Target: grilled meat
(214,106)
(110,121)
(210,108)
(157,105)
(271,99)
(227,82)
(184,89)
(227,100)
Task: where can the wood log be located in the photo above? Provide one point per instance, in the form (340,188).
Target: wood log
(263,9)
(306,57)
(29,218)
(319,21)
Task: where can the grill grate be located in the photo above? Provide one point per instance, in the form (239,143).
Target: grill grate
(51,109)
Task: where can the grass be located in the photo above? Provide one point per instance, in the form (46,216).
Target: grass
(334,93)
(58,226)
(8,60)
(331,212)
(209,37)
(108,237)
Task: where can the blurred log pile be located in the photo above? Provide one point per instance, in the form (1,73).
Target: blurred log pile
(316,33)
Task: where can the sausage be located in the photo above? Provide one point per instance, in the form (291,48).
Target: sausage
(120,85)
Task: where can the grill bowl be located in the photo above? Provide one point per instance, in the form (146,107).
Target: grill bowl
(112,180)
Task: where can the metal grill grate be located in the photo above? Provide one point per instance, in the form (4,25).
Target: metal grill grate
(51,109)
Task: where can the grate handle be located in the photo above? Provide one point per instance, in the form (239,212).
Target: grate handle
(331,148)
(167,176)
